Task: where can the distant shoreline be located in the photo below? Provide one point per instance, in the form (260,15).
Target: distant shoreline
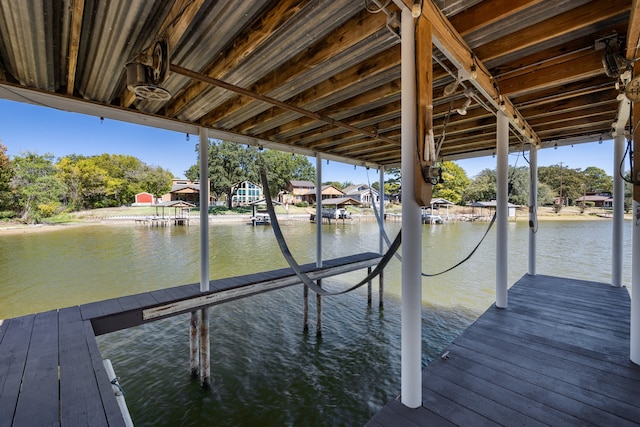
(10,228)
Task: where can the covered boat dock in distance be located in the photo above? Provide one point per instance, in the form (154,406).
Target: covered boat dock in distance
(368,83)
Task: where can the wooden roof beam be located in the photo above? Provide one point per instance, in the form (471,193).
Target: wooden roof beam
(77,12)
(633,31)
(565,23)
(247,43)
(581,66)
(487,13)
(451,44)
(356,30)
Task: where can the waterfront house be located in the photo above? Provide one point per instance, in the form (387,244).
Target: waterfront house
(183,190)
(598,200)
(245,193)
(363,193)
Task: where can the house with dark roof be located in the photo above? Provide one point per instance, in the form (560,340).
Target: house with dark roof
(599,200)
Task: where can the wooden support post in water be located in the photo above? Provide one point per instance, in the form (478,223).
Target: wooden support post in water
(319,311)
(381,290)
(194,345)
(305,305)
(205,368)
(369,288)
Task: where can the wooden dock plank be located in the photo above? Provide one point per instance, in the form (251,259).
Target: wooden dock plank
(13,355)
(40,379)
(109,403)
(558,355)
(80,399)
(587,406)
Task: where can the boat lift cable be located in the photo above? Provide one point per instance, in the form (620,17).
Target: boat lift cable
(296,267)
(423,274)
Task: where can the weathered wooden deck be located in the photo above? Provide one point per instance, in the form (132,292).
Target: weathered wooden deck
(559,355)
(52,373)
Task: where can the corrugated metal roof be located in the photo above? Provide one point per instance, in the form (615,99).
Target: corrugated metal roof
(332,58)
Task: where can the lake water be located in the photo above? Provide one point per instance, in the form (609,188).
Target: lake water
(265,370)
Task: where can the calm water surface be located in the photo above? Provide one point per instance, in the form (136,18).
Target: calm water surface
(265,370)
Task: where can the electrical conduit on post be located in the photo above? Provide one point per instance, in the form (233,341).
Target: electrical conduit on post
(411,368)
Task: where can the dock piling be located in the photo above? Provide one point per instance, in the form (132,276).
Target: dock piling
(194,345)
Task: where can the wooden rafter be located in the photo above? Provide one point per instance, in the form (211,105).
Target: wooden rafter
(572,20)
(488,12)
(77,13)
(356,30)
(459,53)
(633,32)
(247,43)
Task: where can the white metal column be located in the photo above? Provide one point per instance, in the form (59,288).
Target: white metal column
(381,210)
(204,210)
(411,381)
(502,209)
(635,282)
(533,207)
(318,210)
(205,372)
(618,211)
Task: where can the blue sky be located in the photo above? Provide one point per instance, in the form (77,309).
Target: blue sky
(25,127)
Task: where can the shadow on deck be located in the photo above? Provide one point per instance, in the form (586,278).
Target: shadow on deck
(558,355)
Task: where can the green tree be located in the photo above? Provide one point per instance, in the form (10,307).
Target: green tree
(546,195)
(35,185)
(518,185)
(455,182)
(229,164)
(597,180)
(482,187)
(6,174)
(283,167)
(154,180)
(563,180)
(393,185)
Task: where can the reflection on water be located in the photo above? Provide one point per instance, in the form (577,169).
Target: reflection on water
(265,370)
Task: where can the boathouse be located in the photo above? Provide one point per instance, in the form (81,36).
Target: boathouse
(376,84)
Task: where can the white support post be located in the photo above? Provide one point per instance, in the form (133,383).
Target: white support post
(203,324)
(319,238)
(533,207)
(618,211)
(381,210)
(635,278)
(204,210)
(502,209)
(318,210)
(634,334)
(411,347)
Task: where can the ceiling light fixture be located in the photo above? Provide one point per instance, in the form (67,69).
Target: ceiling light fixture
(451,87)
(463,110)
(416,10)
(474,72)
